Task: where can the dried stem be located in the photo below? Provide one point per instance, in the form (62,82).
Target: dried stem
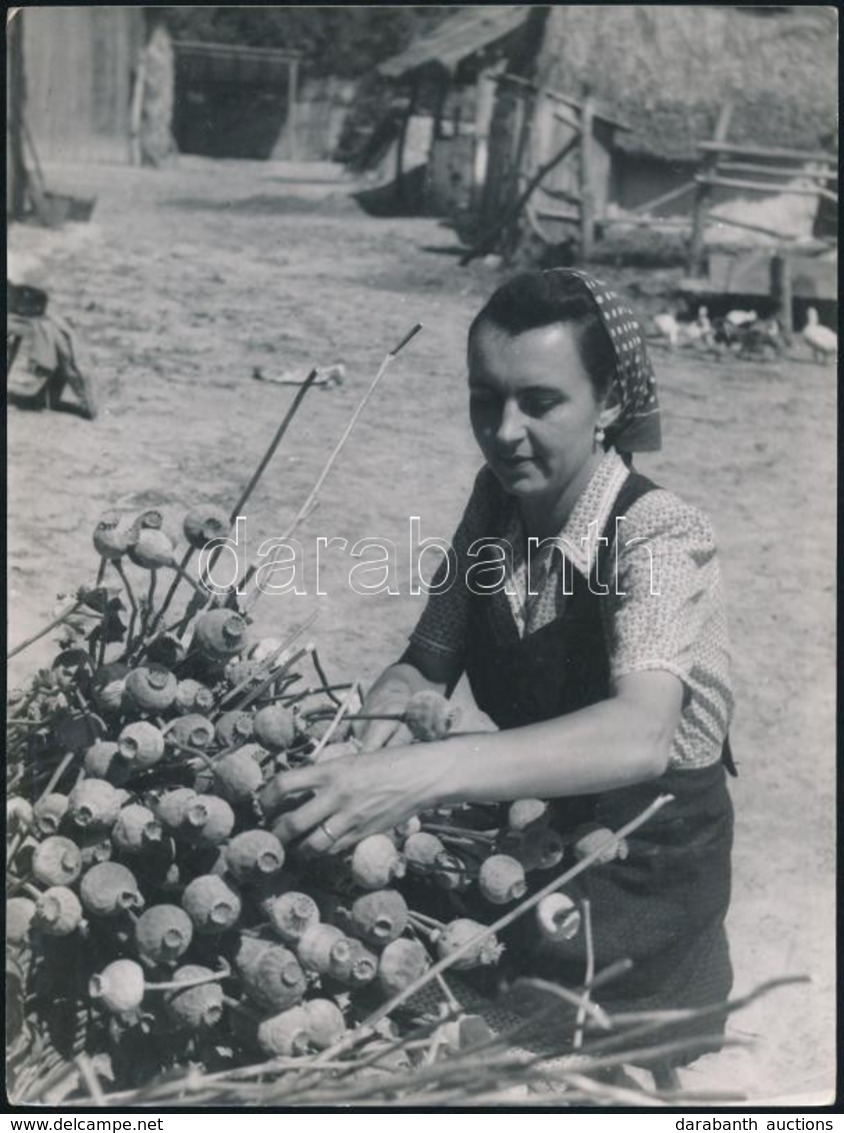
(590,972)
(338,448)
(345,704)
(62,617)
(501,923)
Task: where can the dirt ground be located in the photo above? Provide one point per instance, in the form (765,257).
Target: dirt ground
(187,279)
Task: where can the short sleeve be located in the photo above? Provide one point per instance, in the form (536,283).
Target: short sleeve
(664,599)
(443,625)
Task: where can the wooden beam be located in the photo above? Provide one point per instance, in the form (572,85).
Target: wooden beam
(781,292)
(587,178)
(672,195)
(716,146)
(775,170)
(486,242)
(292,93)
(703,194)
(767,190)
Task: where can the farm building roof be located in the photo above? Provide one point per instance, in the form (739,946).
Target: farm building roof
(232,63)
(461,35)
(667,70)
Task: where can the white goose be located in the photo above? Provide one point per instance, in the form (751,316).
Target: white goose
(822,340)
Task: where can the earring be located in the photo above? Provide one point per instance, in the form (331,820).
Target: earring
(599,435)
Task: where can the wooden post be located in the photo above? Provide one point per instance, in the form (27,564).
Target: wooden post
(398,188)
(292,83)
(16,168)
(587,199)
(703,193)
(781,292)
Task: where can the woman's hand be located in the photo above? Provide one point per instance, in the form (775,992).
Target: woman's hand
(375,734)
(357,795)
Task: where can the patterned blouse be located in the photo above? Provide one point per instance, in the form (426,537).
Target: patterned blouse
(662,605)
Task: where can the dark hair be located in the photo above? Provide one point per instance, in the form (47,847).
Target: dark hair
(535,299)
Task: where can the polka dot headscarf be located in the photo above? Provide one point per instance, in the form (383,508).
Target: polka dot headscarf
(637,428)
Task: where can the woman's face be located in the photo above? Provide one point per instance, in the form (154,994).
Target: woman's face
(533,409)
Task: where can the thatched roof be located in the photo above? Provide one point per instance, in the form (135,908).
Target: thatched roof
(463,34)
(666,71)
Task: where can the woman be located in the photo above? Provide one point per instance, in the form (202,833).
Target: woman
(602,660)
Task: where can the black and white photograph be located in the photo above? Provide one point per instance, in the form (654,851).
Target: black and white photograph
(421,558)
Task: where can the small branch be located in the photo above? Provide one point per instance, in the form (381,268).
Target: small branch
(62,617)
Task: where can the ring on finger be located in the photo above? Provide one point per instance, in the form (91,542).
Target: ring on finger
(323,826)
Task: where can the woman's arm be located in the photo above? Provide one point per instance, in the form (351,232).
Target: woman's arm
(623,740)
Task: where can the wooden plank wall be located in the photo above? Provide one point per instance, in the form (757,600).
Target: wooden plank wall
(79,65)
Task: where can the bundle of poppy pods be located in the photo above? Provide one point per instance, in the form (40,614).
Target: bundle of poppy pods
(149,890)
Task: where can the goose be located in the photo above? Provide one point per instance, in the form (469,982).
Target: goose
(822,340)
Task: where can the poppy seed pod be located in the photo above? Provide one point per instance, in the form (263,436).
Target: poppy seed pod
(402,963)
(108,889)
(291,914)
(150,688)
(376,861)
(275,726)
(238,775)
(48,813)
(222,633)
(602,840)
(204,523)
(558,917)
(275,980)
(254,854)
(152,547)
(119,986)
(191,730)
(136,829)
(58,911)
(361,967)
(107,686)
(248,674)
(324,949)
(421,851)
(170,807)
(94,804)
(210,904)
(404,830)
(430,716)
(19,914)
(103,760)
(207,820)
(501,879)
(163,933)
(141,744)
(379,917)
(458,933)
(195,1008)
(325,1022)
(234,728)
(19,813)
(191,696)
(250,949)
(114,533)
(286,1034)
(525,812)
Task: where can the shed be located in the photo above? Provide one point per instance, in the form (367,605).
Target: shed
(79,65)
(444,76)
(233,100)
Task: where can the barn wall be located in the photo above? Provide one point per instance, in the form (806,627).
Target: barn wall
(637,179)
(79,65)
(322,106)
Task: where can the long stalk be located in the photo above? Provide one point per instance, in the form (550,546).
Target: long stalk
(329,464)
(502,922)
(57,621)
